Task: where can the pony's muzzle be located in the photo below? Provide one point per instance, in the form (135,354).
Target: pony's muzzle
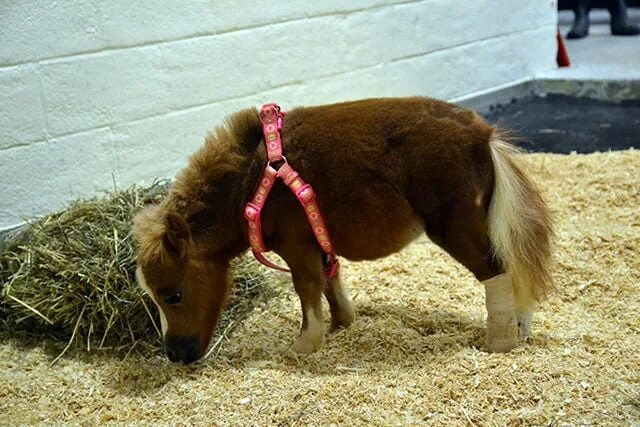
(185,349)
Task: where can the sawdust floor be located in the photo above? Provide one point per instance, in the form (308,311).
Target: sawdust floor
(414,355)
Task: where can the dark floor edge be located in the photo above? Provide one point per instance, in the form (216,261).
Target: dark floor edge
(602,90)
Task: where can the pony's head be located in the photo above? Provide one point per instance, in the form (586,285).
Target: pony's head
(188,285)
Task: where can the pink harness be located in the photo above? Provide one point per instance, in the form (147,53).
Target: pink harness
(271,117)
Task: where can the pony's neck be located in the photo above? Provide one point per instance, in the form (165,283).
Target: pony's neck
(219,227)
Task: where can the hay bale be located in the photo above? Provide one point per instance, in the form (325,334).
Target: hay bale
(71,275)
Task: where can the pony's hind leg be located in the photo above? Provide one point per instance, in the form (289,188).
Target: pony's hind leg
(526,305)
(465,238)
(525,318)
(521,230)
(340,305)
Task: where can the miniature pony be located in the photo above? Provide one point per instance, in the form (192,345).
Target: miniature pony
(384,171)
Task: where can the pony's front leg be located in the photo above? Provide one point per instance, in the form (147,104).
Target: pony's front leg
(501,315)
(309,283)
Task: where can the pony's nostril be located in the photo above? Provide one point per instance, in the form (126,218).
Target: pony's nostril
(193,354)
(191,351)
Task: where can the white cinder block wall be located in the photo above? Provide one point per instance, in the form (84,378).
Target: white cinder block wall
(94,92)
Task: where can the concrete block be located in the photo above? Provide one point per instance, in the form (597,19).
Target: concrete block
(413,29)
(43,177)
(22,116)
(83,93)
(158,147)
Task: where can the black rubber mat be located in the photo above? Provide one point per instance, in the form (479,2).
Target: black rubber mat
(562,124)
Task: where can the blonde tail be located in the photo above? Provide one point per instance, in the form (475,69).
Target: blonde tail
(521,231)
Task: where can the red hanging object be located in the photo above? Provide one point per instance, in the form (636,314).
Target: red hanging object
(562,58)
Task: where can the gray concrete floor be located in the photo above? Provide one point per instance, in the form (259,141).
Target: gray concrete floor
(599,56)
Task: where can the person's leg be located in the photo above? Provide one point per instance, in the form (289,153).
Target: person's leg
(620,25)
(580,26)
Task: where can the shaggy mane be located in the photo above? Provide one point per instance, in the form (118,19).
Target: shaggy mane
(228,150)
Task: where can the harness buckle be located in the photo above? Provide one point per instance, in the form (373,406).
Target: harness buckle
(305,193)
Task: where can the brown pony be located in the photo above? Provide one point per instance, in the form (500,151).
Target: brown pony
(384,171)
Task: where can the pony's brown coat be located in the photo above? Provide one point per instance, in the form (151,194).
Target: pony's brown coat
(382,170)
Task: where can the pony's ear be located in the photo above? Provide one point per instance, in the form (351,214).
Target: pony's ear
(160,232)
(177,234)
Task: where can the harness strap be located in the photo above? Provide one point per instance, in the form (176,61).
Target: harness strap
(272,117)
(265,261)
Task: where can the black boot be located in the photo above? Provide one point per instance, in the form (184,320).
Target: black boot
(580,26)
(620,25)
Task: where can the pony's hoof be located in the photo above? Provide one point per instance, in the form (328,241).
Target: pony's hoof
(342,320)
(500,345)
(524,324)
(306,345)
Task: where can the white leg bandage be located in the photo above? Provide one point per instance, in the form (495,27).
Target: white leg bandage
(501,318)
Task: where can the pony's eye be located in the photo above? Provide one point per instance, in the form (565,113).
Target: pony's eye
(173,299)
